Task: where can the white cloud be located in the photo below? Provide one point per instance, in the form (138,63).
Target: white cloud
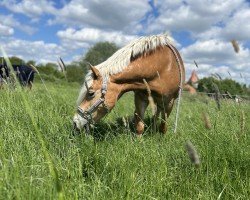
(236,28)
(107,14)
(6,30)
(90,36)
(209,51)
(193,15)
(216,56)
(29,7)
(215,52)
(36,50)
(10,21)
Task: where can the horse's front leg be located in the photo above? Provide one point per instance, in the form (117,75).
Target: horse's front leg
(141,103)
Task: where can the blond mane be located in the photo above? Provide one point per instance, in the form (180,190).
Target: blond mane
(122,58)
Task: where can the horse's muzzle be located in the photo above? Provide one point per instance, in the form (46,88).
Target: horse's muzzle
(80,123)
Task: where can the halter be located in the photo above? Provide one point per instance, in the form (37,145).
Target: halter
(88,113)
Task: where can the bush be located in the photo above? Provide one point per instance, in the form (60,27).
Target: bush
(75,73)
(50,69)
(209,84)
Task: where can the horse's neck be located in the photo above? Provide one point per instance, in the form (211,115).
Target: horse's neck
(130,79)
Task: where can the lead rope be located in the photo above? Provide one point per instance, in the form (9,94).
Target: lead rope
(180,87)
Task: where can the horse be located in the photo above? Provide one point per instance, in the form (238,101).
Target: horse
(24,74)
(147,64)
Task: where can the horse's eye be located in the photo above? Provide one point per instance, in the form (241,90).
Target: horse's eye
(91,93)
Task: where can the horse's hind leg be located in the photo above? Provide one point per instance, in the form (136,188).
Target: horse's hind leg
(30,84)
(156,118)
(165,114)
(141,103)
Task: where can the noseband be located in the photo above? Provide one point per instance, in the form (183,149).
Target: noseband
(88,113)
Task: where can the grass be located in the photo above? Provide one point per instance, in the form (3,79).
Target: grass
(112,163)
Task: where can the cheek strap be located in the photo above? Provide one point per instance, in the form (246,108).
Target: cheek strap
(88,113)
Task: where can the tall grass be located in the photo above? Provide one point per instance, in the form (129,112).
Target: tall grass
(112,163)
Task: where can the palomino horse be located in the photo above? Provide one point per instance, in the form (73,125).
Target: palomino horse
(151,59)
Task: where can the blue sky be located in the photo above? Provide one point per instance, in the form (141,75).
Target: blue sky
(201,29)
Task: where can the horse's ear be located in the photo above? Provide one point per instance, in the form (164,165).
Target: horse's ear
(95,72)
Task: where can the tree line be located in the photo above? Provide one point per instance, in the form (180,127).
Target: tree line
(223,86)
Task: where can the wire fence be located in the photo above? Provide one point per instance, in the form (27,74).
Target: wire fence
(221,95)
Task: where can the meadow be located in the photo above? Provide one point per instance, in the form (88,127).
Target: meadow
(42,158)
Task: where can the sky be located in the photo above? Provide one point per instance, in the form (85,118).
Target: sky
(44,30)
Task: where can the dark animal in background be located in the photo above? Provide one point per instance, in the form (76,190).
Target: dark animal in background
(4,75)
(24,74)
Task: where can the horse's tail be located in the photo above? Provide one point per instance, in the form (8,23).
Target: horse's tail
(182,76)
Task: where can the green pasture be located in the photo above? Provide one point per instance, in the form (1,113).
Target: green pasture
(41,158)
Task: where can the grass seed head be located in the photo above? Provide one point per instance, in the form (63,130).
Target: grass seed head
(207,121)
(218,76)
(150,98)
(124,121)
(235,46)
(34,68)
(228,93)
(158,75)
(63,64)
(193,155)
(60,65)
(196,64)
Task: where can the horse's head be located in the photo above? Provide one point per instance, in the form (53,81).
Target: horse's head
(92,100)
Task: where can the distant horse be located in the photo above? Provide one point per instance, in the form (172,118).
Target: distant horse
(152,60)
(24,74)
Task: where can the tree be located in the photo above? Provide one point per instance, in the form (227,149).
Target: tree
(75,73)
(31,62)
(209,84)
(98,54)
(16,61)
(231,86)
(50,72)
